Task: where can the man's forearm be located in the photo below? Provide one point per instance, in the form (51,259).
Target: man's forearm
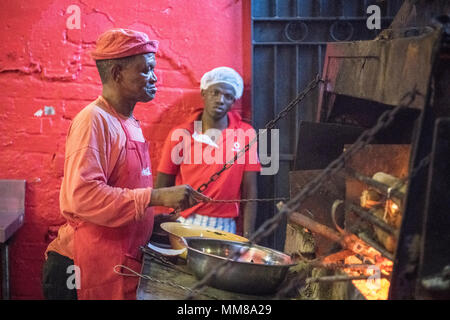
(164,180)
(156,199)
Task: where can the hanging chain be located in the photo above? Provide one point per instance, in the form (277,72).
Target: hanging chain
(269,125)
(423,163)
(310,188)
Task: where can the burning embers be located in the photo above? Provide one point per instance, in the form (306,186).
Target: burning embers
(365,222)
(376,285)
(386,208)
(382,214)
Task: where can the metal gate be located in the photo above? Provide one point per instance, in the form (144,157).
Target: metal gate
(288,48)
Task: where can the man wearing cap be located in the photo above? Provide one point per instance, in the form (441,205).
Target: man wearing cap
(197,149)
(106,192)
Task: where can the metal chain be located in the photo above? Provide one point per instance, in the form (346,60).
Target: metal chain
(423,163)
(271,124)
(268,126)
(215,176)
(310,188)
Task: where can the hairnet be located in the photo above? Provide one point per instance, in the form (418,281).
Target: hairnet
(223,75)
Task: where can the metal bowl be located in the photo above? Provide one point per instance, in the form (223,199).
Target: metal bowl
(177,231)
(258,271)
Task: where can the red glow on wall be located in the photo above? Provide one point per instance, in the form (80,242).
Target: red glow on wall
(47,77)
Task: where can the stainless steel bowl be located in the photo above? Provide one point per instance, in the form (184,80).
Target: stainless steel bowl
(258,271)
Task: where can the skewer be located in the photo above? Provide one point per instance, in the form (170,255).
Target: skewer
(366,215)
(247,200)
(344,278)
(348,240)
(381,187)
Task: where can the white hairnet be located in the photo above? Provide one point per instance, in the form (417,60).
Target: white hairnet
(223,75)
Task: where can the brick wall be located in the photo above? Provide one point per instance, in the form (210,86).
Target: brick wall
(47,77)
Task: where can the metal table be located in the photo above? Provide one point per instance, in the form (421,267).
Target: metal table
(172,282)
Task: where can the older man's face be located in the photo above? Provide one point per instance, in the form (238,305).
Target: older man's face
(218,100)
(138,78)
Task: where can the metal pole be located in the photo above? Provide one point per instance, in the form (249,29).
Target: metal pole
(5,271)
(381,187)
(366,215)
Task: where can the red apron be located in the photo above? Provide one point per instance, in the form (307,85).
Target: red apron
(97,249)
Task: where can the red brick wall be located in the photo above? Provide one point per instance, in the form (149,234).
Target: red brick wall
(45,64)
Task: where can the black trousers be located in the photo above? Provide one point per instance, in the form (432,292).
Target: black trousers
(54,278)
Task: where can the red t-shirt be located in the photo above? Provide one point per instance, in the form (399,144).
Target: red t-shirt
(194,158)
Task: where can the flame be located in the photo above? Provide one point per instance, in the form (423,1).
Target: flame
(393,207)
(371,203)
(374,288)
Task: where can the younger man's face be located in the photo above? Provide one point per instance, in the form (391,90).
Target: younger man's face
(218,100)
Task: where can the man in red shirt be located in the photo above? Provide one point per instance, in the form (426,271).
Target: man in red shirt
(201,146)
(106,193)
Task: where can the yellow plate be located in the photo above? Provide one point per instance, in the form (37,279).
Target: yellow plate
(178,230)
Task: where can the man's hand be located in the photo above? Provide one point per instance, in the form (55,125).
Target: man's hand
(179,197)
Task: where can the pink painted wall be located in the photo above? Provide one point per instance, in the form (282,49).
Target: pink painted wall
(45,64)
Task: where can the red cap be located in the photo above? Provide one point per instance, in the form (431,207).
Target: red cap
(120,43)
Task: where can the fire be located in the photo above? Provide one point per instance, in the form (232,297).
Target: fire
(393,207)
(375,287)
